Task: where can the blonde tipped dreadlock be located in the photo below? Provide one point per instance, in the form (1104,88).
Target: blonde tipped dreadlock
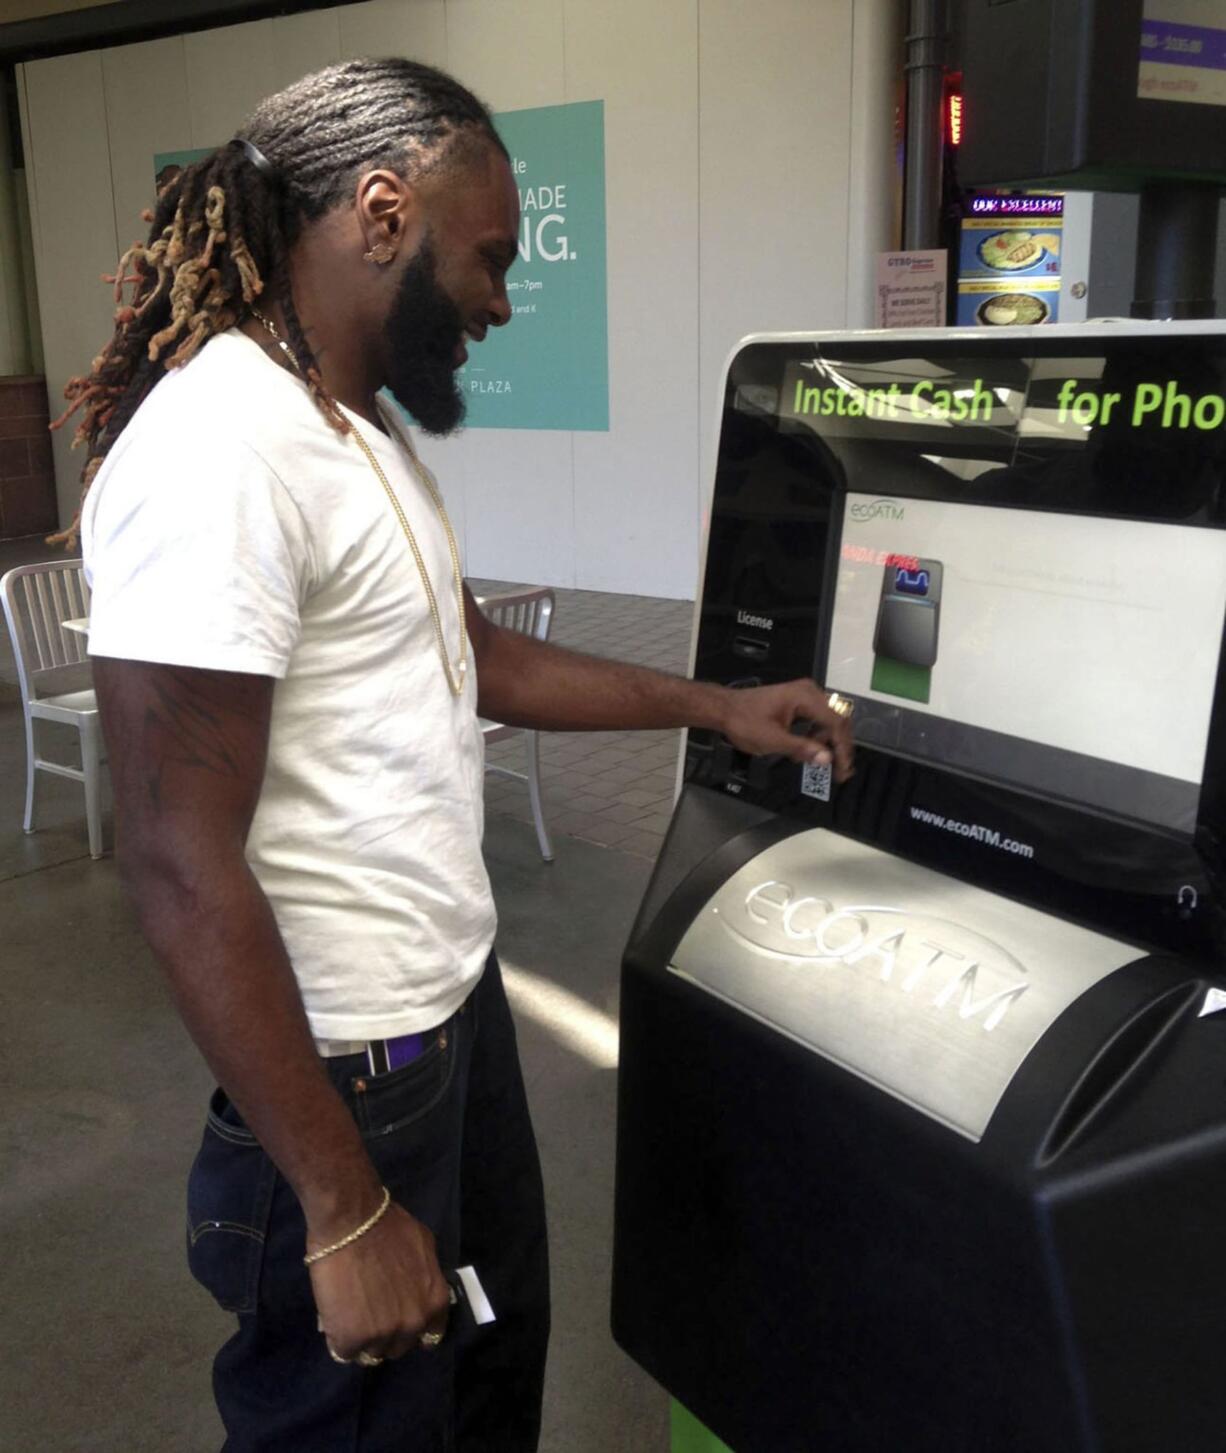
(222,229)
(195,277)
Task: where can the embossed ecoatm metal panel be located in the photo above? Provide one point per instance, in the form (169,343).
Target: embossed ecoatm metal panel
(904,1164)
(931,989)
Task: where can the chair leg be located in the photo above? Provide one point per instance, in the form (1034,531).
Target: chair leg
(91,755)
(28,822)
(534,794)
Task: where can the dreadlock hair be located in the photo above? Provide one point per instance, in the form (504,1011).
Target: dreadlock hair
(221,231)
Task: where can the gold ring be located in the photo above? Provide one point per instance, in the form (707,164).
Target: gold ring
(368,1359)
(430,1339)
(336,1356)
(840,705)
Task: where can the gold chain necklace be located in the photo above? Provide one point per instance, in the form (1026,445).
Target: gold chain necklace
(456,677)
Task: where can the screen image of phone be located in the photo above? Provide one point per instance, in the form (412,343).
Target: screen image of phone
(908,625)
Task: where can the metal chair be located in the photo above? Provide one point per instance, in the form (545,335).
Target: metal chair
(530,612)
(54,674)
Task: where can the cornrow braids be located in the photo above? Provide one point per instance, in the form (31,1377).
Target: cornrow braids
(322,132)
(221,232)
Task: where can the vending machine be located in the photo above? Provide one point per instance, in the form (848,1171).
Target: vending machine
(922,1118)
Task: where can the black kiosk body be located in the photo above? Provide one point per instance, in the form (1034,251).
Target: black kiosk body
(922,1122)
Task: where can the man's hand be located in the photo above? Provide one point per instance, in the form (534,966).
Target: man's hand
(380,1295)
(762,720)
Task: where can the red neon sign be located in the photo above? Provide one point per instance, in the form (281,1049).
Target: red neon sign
(953,117)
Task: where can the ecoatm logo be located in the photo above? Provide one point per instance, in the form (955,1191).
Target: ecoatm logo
(878,509)
(940,964)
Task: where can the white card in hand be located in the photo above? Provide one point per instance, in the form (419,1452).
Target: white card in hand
(478,1302)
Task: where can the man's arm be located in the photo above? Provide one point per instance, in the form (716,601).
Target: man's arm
(529,683)
(187,750)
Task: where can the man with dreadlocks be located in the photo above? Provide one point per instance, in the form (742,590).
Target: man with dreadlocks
(290,671)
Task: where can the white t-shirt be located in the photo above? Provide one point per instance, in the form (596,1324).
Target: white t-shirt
(231,528)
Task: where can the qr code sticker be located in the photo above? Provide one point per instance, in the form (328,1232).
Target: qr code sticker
(815,780)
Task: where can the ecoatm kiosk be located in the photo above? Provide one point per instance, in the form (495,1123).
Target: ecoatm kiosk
(922,1122)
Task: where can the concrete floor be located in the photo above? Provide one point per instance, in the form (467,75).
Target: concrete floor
(107,1340)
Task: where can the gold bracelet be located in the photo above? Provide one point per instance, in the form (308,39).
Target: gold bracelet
(314,1256)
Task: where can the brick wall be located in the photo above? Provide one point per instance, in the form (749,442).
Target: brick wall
(27,475)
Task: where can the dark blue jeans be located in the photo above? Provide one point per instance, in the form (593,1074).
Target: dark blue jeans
(451,1137)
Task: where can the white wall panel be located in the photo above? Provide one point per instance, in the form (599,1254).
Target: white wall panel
(774,103)
(876,70)
(69,163)
(513,491)
(510,52)
(413,28)
(25,226)
(31,174)
(147,112)
(304,43)
(232,69)
(228,72)
(635,487)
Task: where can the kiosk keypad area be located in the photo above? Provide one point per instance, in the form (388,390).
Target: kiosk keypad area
(923,1084)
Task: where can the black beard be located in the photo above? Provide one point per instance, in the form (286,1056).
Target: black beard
(423,331)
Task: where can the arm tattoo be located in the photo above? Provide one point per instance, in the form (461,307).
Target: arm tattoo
(182,728)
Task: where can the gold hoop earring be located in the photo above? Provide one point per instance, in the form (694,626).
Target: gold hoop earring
(381,252)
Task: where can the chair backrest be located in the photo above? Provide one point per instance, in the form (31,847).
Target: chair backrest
(36,599)
(529,611)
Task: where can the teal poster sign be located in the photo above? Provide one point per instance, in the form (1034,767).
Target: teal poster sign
(168,164)
(549,368)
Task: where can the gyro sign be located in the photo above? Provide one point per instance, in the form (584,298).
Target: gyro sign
(933,990)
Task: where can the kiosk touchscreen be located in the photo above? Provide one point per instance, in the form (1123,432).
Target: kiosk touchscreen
(922,1127)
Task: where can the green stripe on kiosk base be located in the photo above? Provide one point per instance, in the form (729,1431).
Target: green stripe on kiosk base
(689,1435)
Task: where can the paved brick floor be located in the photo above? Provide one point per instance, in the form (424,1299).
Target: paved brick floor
(611,788)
